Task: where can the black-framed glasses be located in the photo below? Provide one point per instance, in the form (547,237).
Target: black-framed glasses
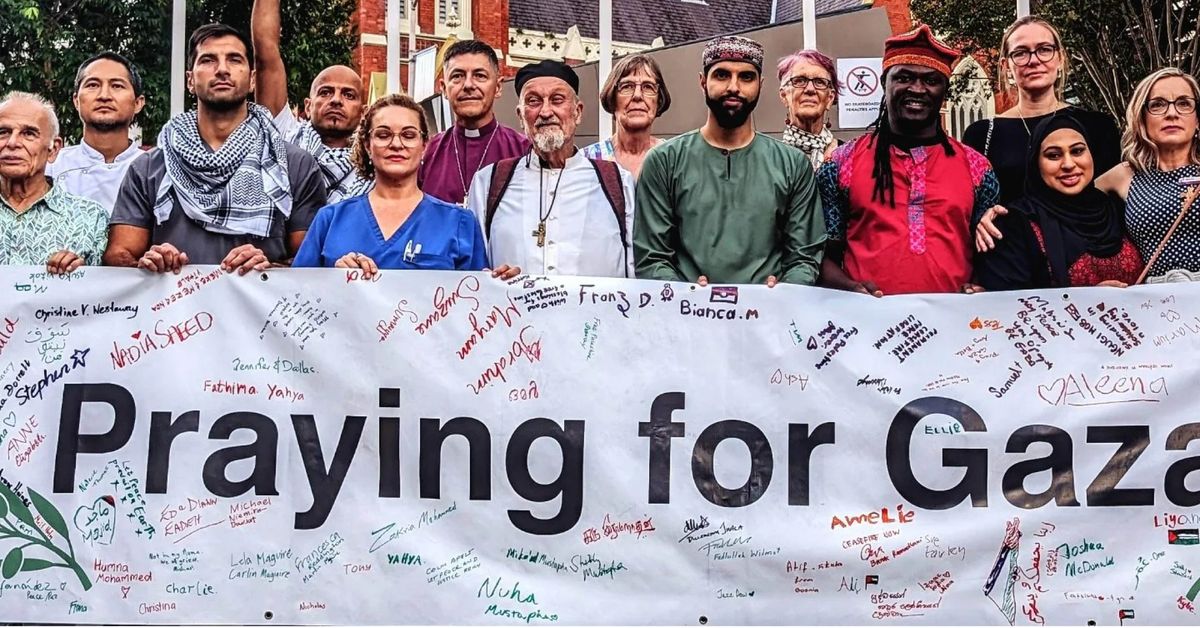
(628,88)
(1024,56)
(802,82)
(1183,106)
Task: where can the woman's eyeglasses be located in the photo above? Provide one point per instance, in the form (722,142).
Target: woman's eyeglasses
(802,82)
(1183,106)
(627,89)
(1024,56)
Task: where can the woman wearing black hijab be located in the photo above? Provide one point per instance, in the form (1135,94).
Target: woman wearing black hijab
(1063,232)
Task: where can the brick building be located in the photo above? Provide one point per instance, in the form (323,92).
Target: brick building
(525,31)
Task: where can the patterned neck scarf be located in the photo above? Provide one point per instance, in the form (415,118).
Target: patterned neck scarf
(811,145)
(234,190)
(341,181)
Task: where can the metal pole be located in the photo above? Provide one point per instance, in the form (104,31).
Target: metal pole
(604,122)
(1022,8)
(809,16)
(413,16)
(393,45)
(178,76)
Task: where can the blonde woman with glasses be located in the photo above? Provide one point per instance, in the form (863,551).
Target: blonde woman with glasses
(1162,161)
(636,95)
(1034,64)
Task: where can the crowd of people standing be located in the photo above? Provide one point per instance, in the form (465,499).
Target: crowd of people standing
(1045,194)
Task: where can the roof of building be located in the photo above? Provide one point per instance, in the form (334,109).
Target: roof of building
(676,21)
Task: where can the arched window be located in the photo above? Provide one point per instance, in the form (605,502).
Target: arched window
(975,101)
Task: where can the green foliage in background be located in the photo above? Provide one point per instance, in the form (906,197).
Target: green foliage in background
(1113,44)
(42,43)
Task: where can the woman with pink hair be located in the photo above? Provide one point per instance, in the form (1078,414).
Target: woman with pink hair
(808,86)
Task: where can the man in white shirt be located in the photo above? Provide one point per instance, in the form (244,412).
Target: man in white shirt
(554,211)
(108,96)
(334,106)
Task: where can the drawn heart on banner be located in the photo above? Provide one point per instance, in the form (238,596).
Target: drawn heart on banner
(125,592)
(98,521)
(1057,390)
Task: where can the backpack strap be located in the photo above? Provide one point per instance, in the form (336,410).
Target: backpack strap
(610,182)
(502,175)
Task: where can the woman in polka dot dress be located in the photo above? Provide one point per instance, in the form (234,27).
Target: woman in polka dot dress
(1161,149)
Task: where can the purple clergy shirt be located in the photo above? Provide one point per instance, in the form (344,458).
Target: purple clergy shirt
(447,178)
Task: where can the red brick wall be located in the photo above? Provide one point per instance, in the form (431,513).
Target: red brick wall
(899,14)
(489,22)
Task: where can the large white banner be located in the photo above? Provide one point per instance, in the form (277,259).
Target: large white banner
(308,447)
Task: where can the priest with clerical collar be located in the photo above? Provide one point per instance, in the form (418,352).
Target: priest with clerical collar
(471,82)
(554,211)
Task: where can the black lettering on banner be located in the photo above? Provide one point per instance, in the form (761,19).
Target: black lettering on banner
(389,456)
(762,463)
(568,484)
(389,445)
(263,450)
(660,429)
(324,484)
(1060,462)
(1103,490)
(1174,481)
(899,438)
(801,444)
(71,443)
(479,444)
(162,435)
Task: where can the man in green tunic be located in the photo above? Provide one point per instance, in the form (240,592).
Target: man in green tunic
(724,203)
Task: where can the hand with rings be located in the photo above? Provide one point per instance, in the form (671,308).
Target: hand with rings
(244,259)
(359,261)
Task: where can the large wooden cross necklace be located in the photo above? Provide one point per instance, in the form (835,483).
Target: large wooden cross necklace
(540,232)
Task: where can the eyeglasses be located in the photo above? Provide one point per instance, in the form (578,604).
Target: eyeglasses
(408,137)
(1183,106)
(627,89)
(802,82)
(1024,56)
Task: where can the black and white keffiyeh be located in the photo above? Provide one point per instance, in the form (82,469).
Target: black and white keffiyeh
(341,180)
(234,190)
(813,146)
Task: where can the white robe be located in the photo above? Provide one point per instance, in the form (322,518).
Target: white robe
(582,235)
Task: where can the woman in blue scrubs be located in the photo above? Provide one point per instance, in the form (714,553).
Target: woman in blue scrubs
(394,225)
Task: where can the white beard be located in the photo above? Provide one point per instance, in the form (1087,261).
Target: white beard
(549,140)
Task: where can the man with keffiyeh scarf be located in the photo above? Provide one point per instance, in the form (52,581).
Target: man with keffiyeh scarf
(334,106)
(222,187)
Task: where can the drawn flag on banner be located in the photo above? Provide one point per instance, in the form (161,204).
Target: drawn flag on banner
(1187,536)
(1125,613)
(872,579)
(724,294)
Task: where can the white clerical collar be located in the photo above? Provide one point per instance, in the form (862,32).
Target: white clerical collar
(471,132)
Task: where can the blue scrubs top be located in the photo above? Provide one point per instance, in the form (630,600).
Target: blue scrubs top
(436,236)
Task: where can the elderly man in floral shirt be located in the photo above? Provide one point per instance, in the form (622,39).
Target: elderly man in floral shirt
(41,223)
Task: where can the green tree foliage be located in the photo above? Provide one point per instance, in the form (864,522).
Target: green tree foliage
(42,42)
(1112,44)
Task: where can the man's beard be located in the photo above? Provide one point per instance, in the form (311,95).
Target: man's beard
(330,131)
(108,126)
(549,139)
(727,119)
(223,104)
